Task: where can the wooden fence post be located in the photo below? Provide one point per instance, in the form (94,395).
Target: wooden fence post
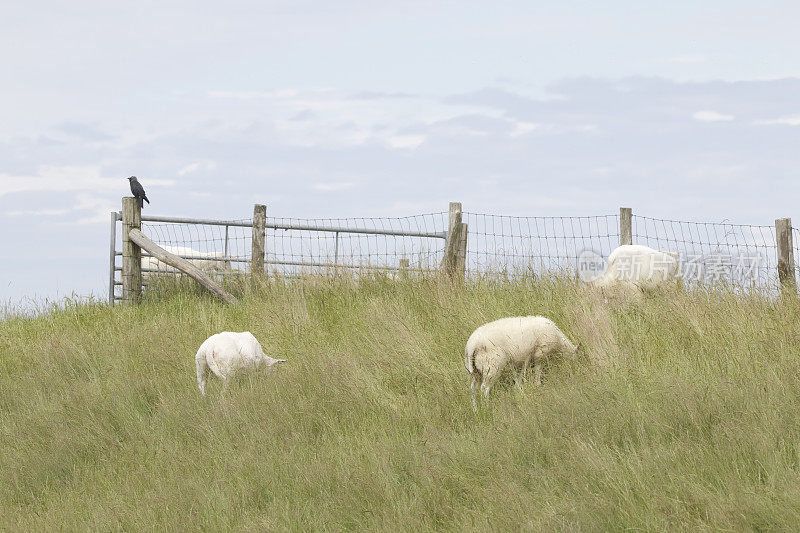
(461,257)
(451,248)
(625,226)
(259,234)
(131,253)
(783,237)
(404,264)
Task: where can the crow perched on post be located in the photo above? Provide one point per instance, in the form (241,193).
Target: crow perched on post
(138,191)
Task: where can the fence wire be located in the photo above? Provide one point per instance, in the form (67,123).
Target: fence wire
(744,256)
(205,244)
(224,250)
(294,252)
(518,245)
(796,250)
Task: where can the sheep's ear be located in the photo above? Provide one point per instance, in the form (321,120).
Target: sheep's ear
(276,361)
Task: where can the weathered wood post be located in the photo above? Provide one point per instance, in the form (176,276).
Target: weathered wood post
(625,226)
(404,264)
(259,235)
(451,248)
(461,257)
(783,237)
(131,253)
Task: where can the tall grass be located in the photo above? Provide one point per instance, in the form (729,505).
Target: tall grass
(684,413)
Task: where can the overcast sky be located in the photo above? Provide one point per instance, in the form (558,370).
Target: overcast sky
(320,108)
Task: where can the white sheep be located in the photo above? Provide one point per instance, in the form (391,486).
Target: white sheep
(520,340)
(635,267)
(208,265)
(228,352)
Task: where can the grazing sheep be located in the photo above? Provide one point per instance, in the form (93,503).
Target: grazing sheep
(635,267)
(519,340)
(226,353)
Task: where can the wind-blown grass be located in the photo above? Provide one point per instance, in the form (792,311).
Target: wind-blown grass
(684,413)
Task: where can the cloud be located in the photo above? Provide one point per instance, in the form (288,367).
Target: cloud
(286,93)
(197,165)
(52,178)
(379,95)
(405,142)
(689,58)
(86,132)
(188,169)
(635,103)
(304,115)
(788,120)
(98,206)
(711,116)
(38,212)
(472,124)
(250,95)
(521,128)
(333,186)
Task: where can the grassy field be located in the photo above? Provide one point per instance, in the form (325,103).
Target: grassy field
(683,413)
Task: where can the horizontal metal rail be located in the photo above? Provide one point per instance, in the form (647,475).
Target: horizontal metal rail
(172,270)
(297,227)
(200,258)
(340,265)
(206,258)
(366,231)
(266,262)
(204,221)
(168,270)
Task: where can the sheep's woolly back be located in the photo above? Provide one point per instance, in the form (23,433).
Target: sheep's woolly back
(514,339)
(149,262)
(225,353)
(639,266)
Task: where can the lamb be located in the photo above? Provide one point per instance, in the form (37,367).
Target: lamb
(518,340)
(228,352)
(637,267)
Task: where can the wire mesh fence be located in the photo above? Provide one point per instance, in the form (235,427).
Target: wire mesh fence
(514,245)
(294,247)
(354,243)
(219,249)
(796,249)
(744,256)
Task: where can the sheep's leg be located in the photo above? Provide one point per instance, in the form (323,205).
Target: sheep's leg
(202,375)
(520,378)
(473,390)
(489,378)
(537,373)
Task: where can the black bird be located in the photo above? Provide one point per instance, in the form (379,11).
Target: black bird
(138,191)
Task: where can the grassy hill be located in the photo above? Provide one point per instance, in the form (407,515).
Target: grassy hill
(683,413)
